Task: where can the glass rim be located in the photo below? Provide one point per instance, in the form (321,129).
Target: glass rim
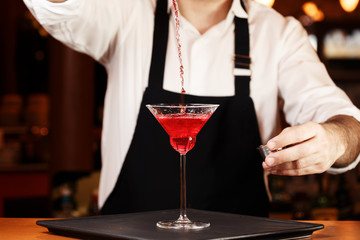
(186,105)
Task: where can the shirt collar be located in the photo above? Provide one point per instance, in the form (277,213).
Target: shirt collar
(236,9)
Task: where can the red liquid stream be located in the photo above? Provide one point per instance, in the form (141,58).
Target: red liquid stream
(176,11)
(183,129)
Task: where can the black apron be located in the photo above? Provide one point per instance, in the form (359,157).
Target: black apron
(224,171)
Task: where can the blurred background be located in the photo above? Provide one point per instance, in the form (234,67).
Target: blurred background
(51,103)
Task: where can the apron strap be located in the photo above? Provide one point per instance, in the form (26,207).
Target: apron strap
(160,39)
(242,59)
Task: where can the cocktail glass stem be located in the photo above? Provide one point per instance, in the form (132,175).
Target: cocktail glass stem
(183,218)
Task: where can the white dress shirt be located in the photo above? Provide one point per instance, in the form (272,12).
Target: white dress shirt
(286,72)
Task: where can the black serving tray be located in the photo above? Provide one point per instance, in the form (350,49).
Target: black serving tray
(143,226)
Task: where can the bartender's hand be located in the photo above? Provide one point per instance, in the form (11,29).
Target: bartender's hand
(313,147)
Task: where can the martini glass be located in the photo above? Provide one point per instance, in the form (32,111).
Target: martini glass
(182,123)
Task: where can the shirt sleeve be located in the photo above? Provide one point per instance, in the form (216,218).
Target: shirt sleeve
(308,92)
(88,26)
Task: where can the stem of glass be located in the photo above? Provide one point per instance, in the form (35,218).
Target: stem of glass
(183,218)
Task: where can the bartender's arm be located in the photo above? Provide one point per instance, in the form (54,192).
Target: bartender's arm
(314,148)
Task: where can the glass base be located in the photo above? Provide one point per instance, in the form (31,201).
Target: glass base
(187,225)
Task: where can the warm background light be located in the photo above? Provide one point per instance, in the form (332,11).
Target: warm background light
(349,5)
(268,3)
(312,10)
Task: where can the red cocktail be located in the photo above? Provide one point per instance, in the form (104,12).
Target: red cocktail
(182,123)
(182,129)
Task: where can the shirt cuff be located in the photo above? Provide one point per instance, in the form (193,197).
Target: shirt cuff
(351,166)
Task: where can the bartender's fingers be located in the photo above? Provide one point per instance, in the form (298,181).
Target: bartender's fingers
(292,153)
(311,164)
(297,164)
(293,135)
(296,152)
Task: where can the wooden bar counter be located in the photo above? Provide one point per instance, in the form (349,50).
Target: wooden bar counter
(26,228)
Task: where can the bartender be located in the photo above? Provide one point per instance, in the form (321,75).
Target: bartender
(239,54)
